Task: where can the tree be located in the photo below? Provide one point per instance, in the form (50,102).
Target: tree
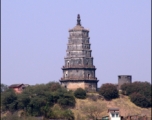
(54,86)
(139,100)
(37,100)
(67,100)
(142,91)
(80,93)
(3,87)
(23,100)
(9,100)
(108,91)
(141,87)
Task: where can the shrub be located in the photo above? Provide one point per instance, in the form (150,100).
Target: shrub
(144,93)
(108,91)
(54,86)
(80,93)
(67,101)
(143,88)
(56,112)
(139,100)
(126,88)
(23,101)
(9,100)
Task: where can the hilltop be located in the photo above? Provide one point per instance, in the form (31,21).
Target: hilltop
(53,101)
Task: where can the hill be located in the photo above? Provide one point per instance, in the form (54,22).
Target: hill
(124,104)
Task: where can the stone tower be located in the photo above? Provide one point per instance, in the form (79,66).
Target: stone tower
(79,71)
(124,79)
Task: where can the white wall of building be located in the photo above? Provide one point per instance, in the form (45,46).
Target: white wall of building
(115,116)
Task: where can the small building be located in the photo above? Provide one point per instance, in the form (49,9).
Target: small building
(114,114)
(18,88)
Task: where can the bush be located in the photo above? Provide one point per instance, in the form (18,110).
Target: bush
(139,100)
(142,90)
(9,100)
(56,112)
(67,101)
(80,93)
(108,91)
(54,86)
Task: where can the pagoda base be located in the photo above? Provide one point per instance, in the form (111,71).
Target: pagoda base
(88,85)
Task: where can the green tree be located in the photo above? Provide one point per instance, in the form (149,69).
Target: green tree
(67,100)
(80,93)
(54,86)
(23,100)
(139,100)
(37,100)
(108,91)
(142,91)
(36,106)
(9,100)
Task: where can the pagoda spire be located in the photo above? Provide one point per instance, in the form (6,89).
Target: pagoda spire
(78,20)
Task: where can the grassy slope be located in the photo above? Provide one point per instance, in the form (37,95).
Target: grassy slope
(124,104)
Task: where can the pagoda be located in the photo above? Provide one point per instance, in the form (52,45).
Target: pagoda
(79,71)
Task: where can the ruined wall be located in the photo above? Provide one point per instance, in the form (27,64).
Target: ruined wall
(124,79)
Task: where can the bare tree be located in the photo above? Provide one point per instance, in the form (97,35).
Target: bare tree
(93,111)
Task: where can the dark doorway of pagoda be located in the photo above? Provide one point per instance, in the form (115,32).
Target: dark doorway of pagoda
(65,75)
(88,76)
(68,63)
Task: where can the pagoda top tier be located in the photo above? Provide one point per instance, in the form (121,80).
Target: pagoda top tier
(78,27)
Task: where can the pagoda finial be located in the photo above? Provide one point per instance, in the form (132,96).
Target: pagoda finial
(78,20)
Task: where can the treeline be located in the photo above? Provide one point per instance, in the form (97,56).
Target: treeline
(52,101)
(48,100)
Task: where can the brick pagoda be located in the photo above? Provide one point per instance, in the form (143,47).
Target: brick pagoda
(79,71)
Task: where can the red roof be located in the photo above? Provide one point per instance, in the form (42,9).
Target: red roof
(15,85)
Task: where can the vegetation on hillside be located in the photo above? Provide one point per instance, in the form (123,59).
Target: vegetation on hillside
(39,100)
(109,91)
(93,111)
(139,93)
(54,102)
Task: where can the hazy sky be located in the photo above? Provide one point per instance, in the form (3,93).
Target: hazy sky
(34,37)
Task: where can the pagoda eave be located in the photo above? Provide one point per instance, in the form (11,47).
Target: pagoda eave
(78,80)
(84,68)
